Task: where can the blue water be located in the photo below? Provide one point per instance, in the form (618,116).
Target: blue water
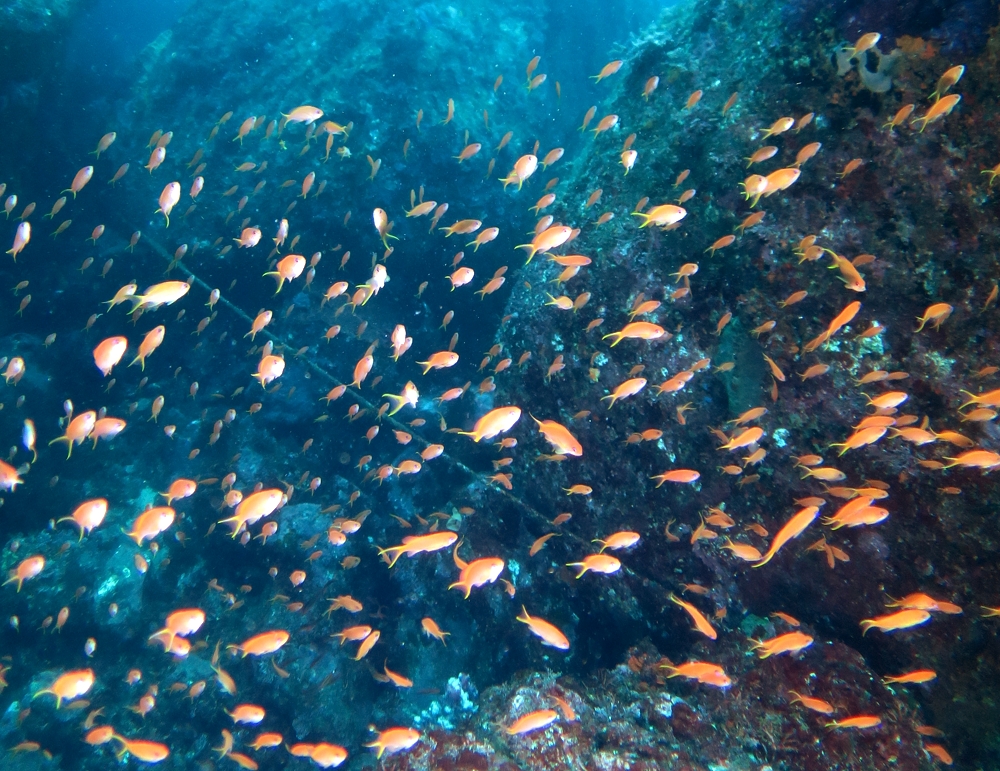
(918,203)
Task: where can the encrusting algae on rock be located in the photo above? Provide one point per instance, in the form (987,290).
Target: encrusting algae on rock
(833,168)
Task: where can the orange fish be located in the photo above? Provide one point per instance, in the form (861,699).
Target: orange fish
(786,643)
(562,441)
(261,644)
(21,238)
(524,167)
(628,388)
(393,740)
(916,676)
(650,87)
(87,515)
(607,70)
(548,633)
(937,313)
(419,544)
(477,573)
(431,629)
(108,353)
(439,360)
(533,721)
(744,439)
(288,268)
(468,151)
(69,686)
(903,619)
(597,563)
(151,523)
(941,108)
(141,749)
(26,569)
(856,721)
(780,126)
(606,123)
(637,330)
(494,422)
(623,539)
(662,216)
(168,200)
(548,239)
(484,237)
(792,529)
(149,343)
(80,180)
(810,702)
(681,476)
(701,623)
(180,623)
(702,671)
(254,508)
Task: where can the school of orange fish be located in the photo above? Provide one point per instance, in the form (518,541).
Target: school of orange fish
(256,507)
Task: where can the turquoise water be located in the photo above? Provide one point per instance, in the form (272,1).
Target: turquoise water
(790,221)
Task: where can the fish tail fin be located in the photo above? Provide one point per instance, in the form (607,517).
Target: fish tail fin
(973,401)
(397,402)
(396,551)
(233,523)
(69,443)
(164,636)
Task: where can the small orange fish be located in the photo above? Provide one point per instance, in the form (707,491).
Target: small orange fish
(262,644)
(597,563)
(791,530)
(810,702)
(916,676)
(607,70)
(702,671)
(680,476)
(904,619)
(431,629)
(792,642)
(701,624)
(856,721)
(628,388)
